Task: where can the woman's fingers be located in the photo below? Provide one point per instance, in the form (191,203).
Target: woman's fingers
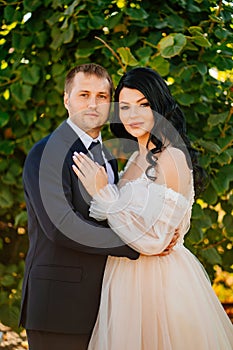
(78,172)
(84,163)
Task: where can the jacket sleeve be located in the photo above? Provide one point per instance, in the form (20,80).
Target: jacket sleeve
(45,196)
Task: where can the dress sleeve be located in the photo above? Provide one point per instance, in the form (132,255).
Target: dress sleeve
(145,215)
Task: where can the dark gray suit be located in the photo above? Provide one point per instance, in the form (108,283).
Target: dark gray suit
(63,275)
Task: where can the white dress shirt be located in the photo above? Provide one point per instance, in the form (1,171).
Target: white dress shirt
(87,140)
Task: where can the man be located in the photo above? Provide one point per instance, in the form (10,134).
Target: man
(68,250)
(63,278)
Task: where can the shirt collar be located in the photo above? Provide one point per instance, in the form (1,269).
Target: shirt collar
(85,138)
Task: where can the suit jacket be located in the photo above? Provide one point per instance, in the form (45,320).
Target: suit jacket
(67,249)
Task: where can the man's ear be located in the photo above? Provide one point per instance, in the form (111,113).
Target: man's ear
(66,99)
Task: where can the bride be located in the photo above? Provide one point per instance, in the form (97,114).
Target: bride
(155,302)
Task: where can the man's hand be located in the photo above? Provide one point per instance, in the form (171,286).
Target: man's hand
(173,242)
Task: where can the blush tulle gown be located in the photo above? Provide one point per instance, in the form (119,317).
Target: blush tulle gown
(155,302)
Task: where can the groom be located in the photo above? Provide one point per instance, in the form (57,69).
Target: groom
(68,250)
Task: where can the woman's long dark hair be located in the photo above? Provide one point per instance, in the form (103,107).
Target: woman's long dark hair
(169,122)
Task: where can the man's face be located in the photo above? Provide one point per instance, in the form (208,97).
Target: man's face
(88,102)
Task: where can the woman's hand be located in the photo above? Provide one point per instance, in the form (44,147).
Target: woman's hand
(91,174)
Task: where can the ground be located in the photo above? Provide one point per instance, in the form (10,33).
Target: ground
(10,340)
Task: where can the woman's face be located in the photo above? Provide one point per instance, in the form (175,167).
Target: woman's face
(136,114)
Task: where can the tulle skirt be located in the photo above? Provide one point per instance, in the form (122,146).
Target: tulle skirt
(160,303)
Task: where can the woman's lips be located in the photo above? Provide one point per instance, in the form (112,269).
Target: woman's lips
(136,125)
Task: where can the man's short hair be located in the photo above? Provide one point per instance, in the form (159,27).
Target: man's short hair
(89,69)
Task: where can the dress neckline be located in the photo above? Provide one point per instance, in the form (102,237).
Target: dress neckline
(164,186)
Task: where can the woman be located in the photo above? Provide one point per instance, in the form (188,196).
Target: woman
(153,303)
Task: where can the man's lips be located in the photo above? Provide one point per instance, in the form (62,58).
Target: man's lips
(92,114)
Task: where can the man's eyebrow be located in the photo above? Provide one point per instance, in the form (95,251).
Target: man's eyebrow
(99,92)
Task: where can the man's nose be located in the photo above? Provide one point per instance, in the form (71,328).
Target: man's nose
(92,101)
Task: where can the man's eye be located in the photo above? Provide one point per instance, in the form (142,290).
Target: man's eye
(102,97)
(83,95)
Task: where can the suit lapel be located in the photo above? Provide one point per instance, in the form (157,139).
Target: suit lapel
(74,143)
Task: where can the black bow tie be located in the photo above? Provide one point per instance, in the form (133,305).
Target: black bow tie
(96,150)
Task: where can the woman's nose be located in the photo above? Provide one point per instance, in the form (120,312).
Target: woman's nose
(133,112)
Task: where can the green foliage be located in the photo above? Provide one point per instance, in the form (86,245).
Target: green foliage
(186,41)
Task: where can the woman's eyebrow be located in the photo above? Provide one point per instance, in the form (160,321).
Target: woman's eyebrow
(140,99)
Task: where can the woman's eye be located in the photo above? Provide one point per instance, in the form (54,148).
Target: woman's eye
(145,104)
(124,108)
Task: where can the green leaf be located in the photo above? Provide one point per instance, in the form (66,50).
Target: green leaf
(4,119)
(9,179)
(15,167)
(113,20)
(31,74)
(82,53)
(21,218)
(176,22)
(224,158)
(136,14)
(70,9)
(7,280)
(172,45)
(40,39)
(69,34)
(10,315)
(6,198)
(31,5)
(97,22)
(9,12)
(27,117)
(222,180)
(185,99)
(221,33)
(226,141)
(210,196)
(202,68)
(216,19)
(195,30)
(197,211)
(228,223)
(195,234)
(4,163)
(161,65)
(144,54)
(21,42)
(51,20)
(21,92)
(200,40)
(211,256)
(126,56)
(57,69)
(58,38)
(7,147)
(215,119)
(210,146)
